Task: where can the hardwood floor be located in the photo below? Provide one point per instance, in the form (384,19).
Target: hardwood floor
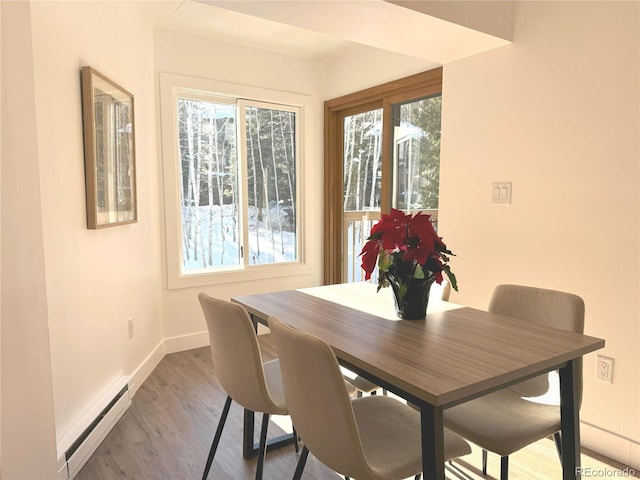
(167,432)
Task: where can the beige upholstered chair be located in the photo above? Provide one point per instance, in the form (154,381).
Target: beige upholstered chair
(508,420)
(374,437)
(438,291)
(361,385)
(237,360)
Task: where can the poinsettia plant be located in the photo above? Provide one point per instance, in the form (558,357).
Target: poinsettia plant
(406,249)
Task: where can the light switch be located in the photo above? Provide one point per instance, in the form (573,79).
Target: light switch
(501,193)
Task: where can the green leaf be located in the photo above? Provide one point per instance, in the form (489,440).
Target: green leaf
(451,276)
(418,273)
(384,261)
(402,290)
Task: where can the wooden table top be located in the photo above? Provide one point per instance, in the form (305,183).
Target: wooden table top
(456,354)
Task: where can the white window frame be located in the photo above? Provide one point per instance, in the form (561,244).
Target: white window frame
(170,87)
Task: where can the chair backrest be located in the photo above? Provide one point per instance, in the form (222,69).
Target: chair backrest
(550,308)
(440,291)
(318,401)
(236,355)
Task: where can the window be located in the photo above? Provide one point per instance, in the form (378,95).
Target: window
(234,164)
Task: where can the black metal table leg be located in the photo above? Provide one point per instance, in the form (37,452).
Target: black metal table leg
(432,426)
(248,448)
(570,420)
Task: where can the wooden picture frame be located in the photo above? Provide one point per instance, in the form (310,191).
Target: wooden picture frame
(109,151)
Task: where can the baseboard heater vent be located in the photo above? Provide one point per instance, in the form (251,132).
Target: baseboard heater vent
(88,441)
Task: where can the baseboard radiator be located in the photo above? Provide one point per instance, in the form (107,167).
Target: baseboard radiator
(97,427)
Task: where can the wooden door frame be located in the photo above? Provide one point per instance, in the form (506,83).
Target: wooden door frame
(405,89)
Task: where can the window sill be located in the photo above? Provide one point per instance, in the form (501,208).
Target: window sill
(256,273)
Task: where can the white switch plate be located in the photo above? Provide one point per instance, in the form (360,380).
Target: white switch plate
(501,193)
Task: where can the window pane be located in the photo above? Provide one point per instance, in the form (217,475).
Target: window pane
(209,185)
(417,154)
(271,184)
(362,160)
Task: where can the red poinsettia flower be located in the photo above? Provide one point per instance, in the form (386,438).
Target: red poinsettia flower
(369,255)
(408,248)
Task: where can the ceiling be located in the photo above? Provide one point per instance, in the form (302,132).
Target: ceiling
(318,29)
(208,21)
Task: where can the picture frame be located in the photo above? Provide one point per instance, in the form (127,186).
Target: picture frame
(109,151)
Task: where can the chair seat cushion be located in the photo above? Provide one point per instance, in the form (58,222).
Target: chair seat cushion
(391,438)
(488,421)
(362,384)
(273,378)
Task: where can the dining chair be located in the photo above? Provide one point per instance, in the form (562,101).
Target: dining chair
(508,420)
(438,291)
(250,382)
(373,437)
(361,386)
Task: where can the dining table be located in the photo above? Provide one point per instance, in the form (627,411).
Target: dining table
(454,355)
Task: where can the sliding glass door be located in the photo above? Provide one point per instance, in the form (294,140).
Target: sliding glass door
(382,150)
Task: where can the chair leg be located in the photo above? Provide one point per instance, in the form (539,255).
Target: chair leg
(216,438)
(262,450)
(297,475)
(558,440)
(295,440)
(484,462)
(504,468)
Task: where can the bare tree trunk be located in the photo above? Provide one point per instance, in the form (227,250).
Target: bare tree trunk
(376,162)
(291,164)
(186,239)
(348,160)
(255,177)
(192,190)
(275,180)
(214,165)
(265,183)
(211,144)
(199,243)
(219,153)
(358,202)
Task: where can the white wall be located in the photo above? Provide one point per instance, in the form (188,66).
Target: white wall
(0,246)
(363,67)
(28,431)
(198,57)
(95,279)
(556,113)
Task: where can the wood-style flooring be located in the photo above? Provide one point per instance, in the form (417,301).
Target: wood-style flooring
(167,432)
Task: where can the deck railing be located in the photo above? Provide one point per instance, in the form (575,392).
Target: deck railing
(356,228)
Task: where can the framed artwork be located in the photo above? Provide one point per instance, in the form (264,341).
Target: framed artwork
(109,151)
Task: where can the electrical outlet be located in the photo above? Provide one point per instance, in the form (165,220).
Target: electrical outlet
(131,331)
(501,193)
(604,369)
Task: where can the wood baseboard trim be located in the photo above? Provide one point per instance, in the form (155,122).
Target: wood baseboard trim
(186,342)
(147,366)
